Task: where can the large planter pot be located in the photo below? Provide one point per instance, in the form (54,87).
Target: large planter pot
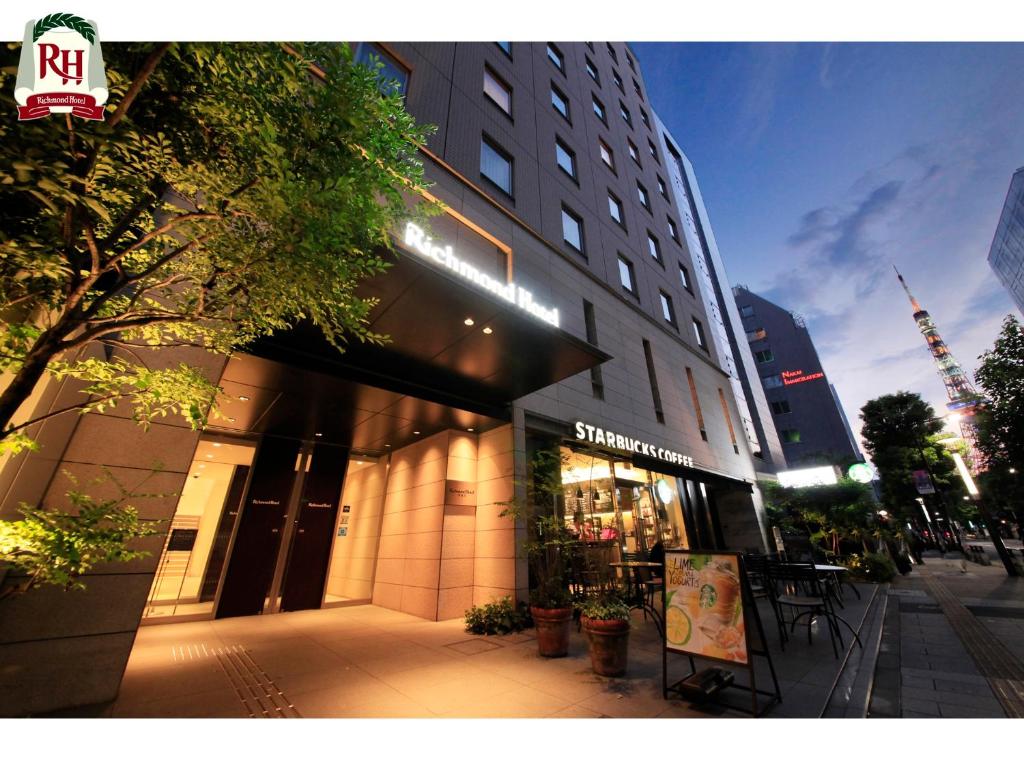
(552,630)
(609,645)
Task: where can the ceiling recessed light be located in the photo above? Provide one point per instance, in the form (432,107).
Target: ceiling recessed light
(387,445)
(488,331)
(217,445)
(209,456)
(202,466)
(415,432)
(319,435)
(468,322)
(469,429)
(243,398)
(231,419)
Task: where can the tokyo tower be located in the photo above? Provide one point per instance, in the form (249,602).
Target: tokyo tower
(964,400)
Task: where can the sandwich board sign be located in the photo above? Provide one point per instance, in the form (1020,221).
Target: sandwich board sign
(710,614)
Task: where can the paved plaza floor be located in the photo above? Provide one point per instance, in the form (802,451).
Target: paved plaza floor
(369,662)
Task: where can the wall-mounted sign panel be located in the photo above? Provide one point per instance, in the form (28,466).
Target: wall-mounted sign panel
(704,606)
(460,493)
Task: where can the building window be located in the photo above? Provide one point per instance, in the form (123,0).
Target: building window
(599,110)
(790,436)
(772,381)
(672,231)
(747,311)
(633,152)
(645,199)
(636,87)
(654,150)
(497,91)
(506,48)
(629,60)
(560,102)
(663,189)
(618,81)
(592,70)
(626,115)
(556,57)
(696,404)
(596,378)
(626,275)
(758,333)
(654,247)
(565,158)
(496,165)
(393,76)
(644,119)
(684,275)
(653,377)
(572,229)
(764,356)
(611,52)
(780,407)
(698,331)
(606,154)
(615,209)
(668,311)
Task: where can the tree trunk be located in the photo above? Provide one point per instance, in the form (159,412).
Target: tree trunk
(25,380)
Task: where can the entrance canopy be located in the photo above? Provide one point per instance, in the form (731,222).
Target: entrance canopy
(450,342)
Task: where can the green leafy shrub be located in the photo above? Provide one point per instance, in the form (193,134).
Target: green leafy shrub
(872,567)
(498,617)
(606,607)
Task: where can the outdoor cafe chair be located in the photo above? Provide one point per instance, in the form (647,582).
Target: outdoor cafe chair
(805,592)
(761,587)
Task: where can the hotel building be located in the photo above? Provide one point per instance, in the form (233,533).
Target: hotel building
(553,308)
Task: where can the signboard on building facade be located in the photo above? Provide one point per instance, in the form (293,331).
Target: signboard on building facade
(923,482)
(604,437)
(704,613)
(460,493)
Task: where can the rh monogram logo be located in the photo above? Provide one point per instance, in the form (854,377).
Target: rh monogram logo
(61,69)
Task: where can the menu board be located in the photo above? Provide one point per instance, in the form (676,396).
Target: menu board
(704,605)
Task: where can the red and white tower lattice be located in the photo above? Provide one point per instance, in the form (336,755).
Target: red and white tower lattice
(964,400)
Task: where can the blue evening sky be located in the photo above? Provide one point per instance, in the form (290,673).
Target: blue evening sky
(821,165)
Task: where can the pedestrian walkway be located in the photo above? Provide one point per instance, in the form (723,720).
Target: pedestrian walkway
(940,658)
(369,662)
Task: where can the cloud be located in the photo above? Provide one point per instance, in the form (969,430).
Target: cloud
(763,70)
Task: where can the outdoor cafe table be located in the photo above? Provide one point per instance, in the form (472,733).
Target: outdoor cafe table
(636,582)
(835,575)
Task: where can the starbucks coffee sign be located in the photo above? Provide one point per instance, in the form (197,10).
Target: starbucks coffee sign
(611,439)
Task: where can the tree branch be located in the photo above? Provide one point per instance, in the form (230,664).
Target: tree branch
(148,67)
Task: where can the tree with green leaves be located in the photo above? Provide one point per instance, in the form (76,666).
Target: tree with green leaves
(1001,420)
(902,434)
(829,515)
(232,190)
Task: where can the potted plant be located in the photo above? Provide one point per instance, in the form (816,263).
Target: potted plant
(606,624)
(548,550)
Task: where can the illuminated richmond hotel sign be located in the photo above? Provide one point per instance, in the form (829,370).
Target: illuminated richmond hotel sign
(613,440)
(417,240)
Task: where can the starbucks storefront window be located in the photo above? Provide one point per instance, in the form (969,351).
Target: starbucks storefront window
(608,499)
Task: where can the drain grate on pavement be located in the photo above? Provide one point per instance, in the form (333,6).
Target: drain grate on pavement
(473,646)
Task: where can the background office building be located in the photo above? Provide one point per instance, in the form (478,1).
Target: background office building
(1006,256)
(545,311)
(805,406)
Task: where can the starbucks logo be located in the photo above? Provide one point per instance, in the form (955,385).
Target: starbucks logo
(708,596)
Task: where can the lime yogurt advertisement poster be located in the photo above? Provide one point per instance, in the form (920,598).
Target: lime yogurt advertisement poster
(704,605)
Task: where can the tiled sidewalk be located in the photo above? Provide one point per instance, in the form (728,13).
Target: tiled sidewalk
(371,662)
(937,676)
